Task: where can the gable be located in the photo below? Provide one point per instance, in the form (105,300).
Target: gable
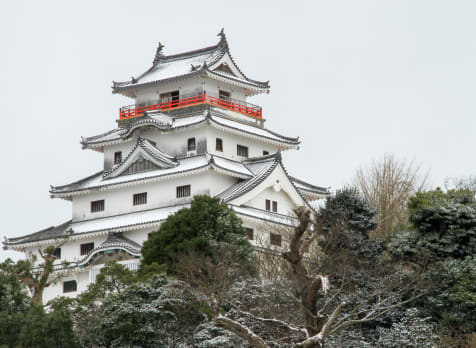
(139,166)
(228,66)
(276,185)
(223,67)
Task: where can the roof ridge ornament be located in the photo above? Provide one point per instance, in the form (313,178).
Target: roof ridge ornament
(158,54)
(222,43)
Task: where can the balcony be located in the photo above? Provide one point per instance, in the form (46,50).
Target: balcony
(230,104)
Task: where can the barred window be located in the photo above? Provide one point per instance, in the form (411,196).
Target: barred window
(268,205)
(249,233)
(70,286)
(275,207)
(117,157)
(97,206)
(219,145)
(57,253)
(191,146)
(139,198)
(242,150)
(183,191)
(275,239)
(86,248)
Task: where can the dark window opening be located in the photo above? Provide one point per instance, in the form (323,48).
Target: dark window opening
(97,206)
(70,286)
(223,95)
(183,191)
(139,198)
(242,150)
(275,207)
(170,97)
(57,253)
(250,233)
(275,239)
(191,145)
(265,152)
(268,205)
(219,145)
(86,248)
(117,157)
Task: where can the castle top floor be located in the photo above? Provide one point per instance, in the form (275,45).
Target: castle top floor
(204,76)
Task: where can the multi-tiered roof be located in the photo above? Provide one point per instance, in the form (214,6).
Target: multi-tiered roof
(187,113)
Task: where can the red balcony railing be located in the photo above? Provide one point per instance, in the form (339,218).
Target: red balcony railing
(229,104)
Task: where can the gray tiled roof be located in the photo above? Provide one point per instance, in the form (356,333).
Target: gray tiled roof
(213,117)
(185,65)
(52,232)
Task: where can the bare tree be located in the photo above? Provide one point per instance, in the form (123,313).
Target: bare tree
(322,314)
(387,184)
(463,183)
(38,276)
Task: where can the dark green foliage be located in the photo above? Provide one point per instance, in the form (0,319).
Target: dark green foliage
(454,304)
(443,240)
(53,329)
(198,229)
(14,304)
(157,313)
(346,221)
(444,227)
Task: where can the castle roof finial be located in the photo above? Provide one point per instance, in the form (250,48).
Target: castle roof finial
(222,36)
(158,53)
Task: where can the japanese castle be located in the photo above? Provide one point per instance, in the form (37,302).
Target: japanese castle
(190,131)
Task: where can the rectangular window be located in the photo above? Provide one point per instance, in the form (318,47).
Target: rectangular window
(117,157)
(139,198)
(97,206)
(191,146)
(57,253)
(249,233)
(86,248)
(268,205)
(275,239)
(265,152)
(275,207)
(70,286)
(219,145)
(183,191)
(242,150)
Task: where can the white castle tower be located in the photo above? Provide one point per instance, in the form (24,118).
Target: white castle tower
(190,131)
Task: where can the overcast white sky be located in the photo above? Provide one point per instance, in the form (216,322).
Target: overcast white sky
(354,79)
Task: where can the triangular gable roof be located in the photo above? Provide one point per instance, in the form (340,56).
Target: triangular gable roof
(201,62)
(263,169)
(143,150)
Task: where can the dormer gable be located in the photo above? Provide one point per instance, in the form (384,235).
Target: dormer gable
(143,157)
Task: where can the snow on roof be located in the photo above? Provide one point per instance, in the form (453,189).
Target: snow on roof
(186,64)
(188,164)
(125,221)
(116,223)
(265,215)
(302,185)
(143,149)
(252,130)
(220,122)
(261,169)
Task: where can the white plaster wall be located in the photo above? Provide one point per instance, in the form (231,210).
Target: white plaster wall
(159,194)
(285,205)
(187,88)
(230,142)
